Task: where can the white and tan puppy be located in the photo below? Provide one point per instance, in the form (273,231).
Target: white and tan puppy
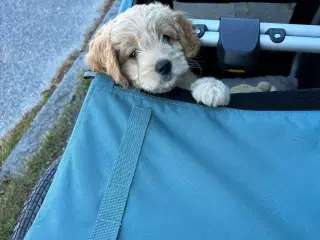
(148,46)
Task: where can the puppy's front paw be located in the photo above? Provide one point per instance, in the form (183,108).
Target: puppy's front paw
(210,92)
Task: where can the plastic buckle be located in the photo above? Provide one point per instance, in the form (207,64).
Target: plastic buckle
(239,44)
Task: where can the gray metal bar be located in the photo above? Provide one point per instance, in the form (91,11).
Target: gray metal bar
(298,30)
(291,29)
(291,43)
(212,25)
(210,39)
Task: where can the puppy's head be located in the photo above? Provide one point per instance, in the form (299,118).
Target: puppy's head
(146,46)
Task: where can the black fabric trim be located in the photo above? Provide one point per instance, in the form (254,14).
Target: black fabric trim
(170,2)
(300,100)
(239,1)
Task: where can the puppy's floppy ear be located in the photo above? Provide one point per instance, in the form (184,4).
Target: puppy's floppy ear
(187,36)
(102,56)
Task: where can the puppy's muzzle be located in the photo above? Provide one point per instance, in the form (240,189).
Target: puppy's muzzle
(163,67)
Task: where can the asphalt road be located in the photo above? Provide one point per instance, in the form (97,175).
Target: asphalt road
(36,36)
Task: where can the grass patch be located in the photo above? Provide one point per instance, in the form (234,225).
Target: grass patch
(10,140)
(17,190)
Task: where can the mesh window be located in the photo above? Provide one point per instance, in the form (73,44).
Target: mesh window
(266,12)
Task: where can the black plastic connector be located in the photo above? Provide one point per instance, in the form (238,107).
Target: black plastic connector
(239,44)
(277,35)
(200,29)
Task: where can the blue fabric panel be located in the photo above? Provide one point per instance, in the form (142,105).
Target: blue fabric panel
(125,4)
(202,173)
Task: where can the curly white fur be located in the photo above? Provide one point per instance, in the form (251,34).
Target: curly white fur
(129,47)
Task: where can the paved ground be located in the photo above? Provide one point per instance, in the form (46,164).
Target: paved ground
(36,37)
(266,12)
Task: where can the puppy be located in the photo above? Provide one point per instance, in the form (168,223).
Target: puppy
(148,46)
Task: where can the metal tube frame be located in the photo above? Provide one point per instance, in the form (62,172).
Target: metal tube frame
(299,38)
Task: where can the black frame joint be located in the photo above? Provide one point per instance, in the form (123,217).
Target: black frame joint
(200,29)
(277,35)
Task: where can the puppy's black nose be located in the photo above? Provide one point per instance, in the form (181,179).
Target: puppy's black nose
(163,67)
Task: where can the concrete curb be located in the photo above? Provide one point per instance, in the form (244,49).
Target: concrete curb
(49,114)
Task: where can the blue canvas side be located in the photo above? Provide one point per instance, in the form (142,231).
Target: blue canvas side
(125,4)
(202,173)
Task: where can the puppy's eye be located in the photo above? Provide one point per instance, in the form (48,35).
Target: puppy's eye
(165,38)
(133,54)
